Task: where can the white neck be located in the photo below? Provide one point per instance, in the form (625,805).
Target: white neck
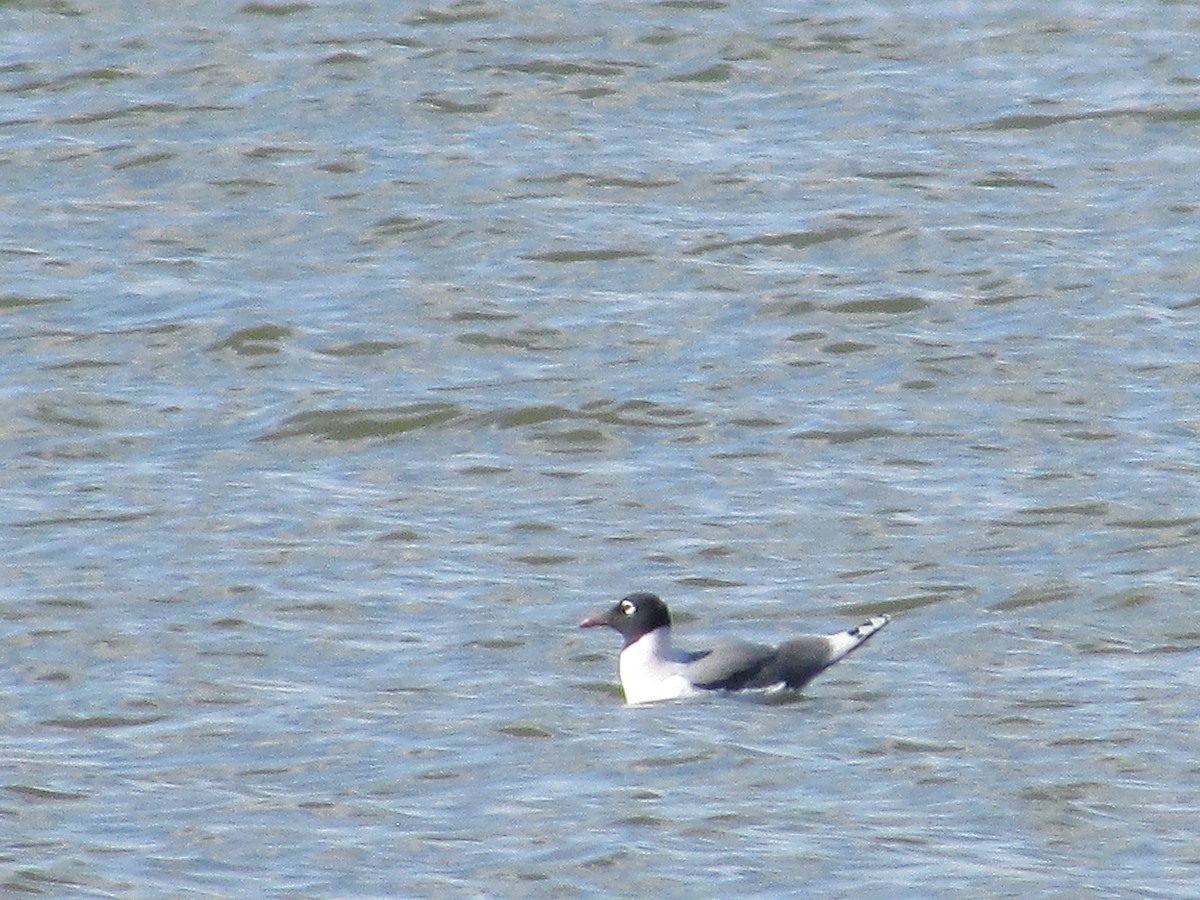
(651,671)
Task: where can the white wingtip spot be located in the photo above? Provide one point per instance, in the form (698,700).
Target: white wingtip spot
(844,641)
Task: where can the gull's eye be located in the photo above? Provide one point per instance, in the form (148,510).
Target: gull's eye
(628,608)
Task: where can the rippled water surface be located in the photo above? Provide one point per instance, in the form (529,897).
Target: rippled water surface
(352,352)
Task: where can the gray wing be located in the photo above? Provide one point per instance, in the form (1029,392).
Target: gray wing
(729,665)
(734,665)
(797,662)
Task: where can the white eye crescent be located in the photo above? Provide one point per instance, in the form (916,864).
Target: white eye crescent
(628,608)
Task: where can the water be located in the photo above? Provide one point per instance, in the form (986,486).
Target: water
(352,353)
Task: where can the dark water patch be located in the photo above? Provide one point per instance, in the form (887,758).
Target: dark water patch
(846,348)
(898,175)
(44,795)
(267,152)
(697,581)
(1002,299)
(1062,793)
(1186,642)
(441,104)
(343,58)
(1010,180)
(482,315)
(609,689)
(275,10)
(588,179)
(439,775)
(626,413)
(255,341)
(402,535)
(591,93)
(145,159)
(787,307)
(1127,599)
(906,462)
(848,435)
(85,519)
(233,654)
(77,364)
(485,471)
(1046,703)
(23,301)
(365,348)
(576,440)
(1087,741)
(912,746)
(610,860)
(890,306)
(640,413)
(348,166)
(1106,646)
(522,339)
(41,882)
(392,226)
(584,256)
(642,820)
(805,337)
(545,559)
(497,643)
(66,603)
(694,5)
(103,75)
(1035,122)
(534,527)
(1052,421)
(1065,511)
(455,13)
(793,240)
(859,574)
(711,74)
(356,424)
(525,730)
(1035,596)
(614,181)
(532,415)
(672,760)
(562,474)
(241,187)
(102,722)
(926,596)
(59,414)
(757,422)
(156,112)
(1155,524)
(558,68)
(558,178)
(1170,115)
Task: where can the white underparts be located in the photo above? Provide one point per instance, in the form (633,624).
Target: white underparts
(650,671)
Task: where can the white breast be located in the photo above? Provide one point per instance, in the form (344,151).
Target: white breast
(650,672)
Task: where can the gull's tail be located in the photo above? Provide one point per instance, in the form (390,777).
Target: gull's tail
(847,641)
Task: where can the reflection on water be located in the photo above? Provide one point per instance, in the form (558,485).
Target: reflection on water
(351,356)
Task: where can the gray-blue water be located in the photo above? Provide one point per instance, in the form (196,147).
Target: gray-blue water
(352,352)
